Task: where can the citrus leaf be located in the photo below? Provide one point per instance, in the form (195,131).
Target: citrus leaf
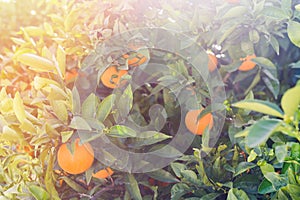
(148,138)
(242,167)
(293,32)
(79,123)
(39,193)
(75,186)
(235,12)
(266,187)
(49,184)
(61,60)
(264,107)
(275,13)
(133,187)
(105,107)
(121,131)
(89,106)
(60,110)
(163,175)
(236,194)
(291,100)
(9,134)
(36,63)
(76,107)
(261,131)
(19,108)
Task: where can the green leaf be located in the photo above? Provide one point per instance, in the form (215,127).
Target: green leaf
(210,196)
(148,138)
(49,184)
(66,135)
(178,190)
(124,103)
(260,132)
(36,63)
(75,186)
(293,32)
(264,107)
(163,176)
(39,193)
(277,180)
(79,123)
(19,108)
(60,110)
(133,187)
(294,191)
(190,176)
(105,107)
(236,194)
(236,11)
(267,168)
(274,12)
(178,168)
(291,100)
(266,187)
(76,105)
(281,152)
(242,167)
(89,106)
(121,131)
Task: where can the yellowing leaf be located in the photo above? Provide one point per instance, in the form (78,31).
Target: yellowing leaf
(9,134)
(19,108)
(60,110)
(260,106)
(66,135)
(71,19)
(27,126)
(6,105)
(36,63)
(3,94)
(40,82)
(61,59)
(34,31)
(291,100)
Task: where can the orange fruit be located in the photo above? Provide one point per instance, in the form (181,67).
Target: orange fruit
(198,127)
(71,75)
(212,62)
(247,64)
(25,149)
(103,173)
(78,161)
(135,61)
(111,76)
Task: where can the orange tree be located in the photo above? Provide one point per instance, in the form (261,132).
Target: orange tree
(51,57)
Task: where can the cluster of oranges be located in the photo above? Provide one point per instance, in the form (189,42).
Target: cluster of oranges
(112,76)
(78,158)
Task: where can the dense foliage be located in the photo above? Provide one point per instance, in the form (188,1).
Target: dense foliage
(53,57)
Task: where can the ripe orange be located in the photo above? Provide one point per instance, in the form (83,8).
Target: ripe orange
(25,149)
(111,76)
(103,173)
(78,162)
(135,61)
(212,62)
(247,64)
(198,127)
